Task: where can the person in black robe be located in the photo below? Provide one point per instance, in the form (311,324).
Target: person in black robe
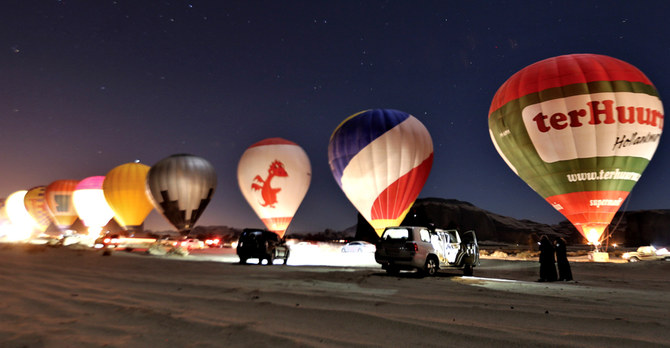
(564,271)
(547,261)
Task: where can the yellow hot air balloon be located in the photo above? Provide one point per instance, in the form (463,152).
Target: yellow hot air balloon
(125,191)
(36,205)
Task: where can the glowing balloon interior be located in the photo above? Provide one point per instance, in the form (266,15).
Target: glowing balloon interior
(274,175)
(22,223)
(381,160)
(579,130)
(180,187)
(91,205)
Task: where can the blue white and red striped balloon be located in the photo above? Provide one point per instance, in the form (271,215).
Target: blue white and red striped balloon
(381,159)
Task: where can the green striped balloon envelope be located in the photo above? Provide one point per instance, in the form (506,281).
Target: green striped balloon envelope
(579,129)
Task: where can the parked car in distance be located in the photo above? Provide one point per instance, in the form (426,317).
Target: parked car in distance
(107,242)
(647,253)
(304,246)
(263,245)
(213,242)
(190,244)
(427,250)
(359,247)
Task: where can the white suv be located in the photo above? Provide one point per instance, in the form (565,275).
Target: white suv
(426,250)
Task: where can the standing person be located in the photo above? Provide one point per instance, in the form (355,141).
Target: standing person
(547,261)
(564,271)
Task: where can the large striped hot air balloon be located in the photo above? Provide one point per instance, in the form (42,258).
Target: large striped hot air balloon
(125,190)
(579,130)
(91,205)
(274,175)
(59,200)
(36,205)
(381,159)
(180,187)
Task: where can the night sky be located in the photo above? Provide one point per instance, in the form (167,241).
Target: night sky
(89,85)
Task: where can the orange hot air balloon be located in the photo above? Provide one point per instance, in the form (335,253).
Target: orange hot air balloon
(59,201)
(579,129)
(36,205)
(125,191)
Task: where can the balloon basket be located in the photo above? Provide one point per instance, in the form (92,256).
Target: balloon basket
(599,256)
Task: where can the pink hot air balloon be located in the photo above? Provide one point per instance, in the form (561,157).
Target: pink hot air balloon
(90,203)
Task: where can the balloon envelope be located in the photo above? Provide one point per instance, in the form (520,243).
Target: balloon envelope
(181,186)
(3,211)
(274,175)
(22,223)
(59,201)
(381,159)
(124,188)
(36,205)
(4,219)
(578,129)
(90,203)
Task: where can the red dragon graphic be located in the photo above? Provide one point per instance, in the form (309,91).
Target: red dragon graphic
(268,192)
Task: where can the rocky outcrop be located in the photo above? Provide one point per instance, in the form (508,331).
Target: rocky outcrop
(630,228)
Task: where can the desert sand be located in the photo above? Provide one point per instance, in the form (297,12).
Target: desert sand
(64,297)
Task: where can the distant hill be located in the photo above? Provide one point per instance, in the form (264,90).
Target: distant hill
(632,228)
(629,228)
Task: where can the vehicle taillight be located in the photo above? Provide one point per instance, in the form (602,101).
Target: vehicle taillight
(414,247)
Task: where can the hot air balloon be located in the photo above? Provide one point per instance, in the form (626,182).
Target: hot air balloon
(4,219)
(124,188)
(36,205)
(274,175)
(579,130)
(381,159)
(23,224)
(91,205)
(181,186)
(3,212)
(59,201)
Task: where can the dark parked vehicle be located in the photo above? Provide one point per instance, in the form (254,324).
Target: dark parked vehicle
(262,245)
